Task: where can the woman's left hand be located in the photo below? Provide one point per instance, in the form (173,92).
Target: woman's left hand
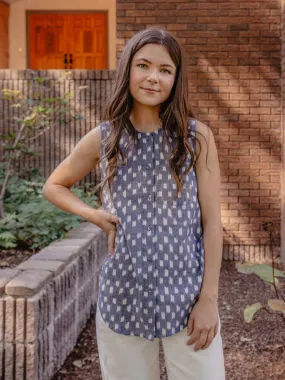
(203,322)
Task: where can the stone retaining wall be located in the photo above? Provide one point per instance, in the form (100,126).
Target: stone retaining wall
(46,301)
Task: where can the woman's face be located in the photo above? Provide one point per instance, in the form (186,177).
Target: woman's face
(152,68)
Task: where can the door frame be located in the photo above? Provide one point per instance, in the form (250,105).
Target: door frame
(29,12)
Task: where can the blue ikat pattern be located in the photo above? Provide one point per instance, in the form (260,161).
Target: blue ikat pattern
(150,285)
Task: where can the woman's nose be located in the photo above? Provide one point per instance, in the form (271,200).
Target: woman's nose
(153,77)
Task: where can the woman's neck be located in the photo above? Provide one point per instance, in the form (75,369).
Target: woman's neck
(146,120)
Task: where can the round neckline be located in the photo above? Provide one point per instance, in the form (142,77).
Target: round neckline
(150,133)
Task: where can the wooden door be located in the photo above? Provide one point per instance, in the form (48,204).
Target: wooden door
(68,41)
(87,41)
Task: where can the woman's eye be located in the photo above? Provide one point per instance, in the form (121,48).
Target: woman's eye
(145,66)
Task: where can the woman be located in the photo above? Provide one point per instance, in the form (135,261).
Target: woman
(161,212)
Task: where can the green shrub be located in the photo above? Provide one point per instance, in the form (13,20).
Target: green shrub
(30,221)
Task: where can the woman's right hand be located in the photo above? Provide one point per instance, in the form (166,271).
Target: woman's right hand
(108,223)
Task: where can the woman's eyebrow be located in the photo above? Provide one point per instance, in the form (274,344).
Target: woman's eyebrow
(146,60)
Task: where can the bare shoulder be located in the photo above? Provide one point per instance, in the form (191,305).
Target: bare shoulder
(89,144)
(206,148)
(80,161)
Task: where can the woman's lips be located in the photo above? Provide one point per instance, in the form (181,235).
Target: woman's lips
(149,90)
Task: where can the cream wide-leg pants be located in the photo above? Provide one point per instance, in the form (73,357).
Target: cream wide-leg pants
(124,357)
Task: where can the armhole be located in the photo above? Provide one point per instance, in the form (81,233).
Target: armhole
(102,131)
(104,134)
(192,131)
(104,127)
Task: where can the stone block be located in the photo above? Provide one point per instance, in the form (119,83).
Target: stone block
(32,360)
(5,276)
(59,253)
(82,243)
(1,354)
(28,283)
(65,286)
(47,265)
(20,321)
(39,313)
(9,362)
(9,318)
(19,362)
(2,322)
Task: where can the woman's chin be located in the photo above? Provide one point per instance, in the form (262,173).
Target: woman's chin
(147,102)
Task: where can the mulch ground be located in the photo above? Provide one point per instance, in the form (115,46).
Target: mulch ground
(254,351)
(12,258)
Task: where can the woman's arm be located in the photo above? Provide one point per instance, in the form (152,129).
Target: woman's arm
(204,317)
(74,168)
(208,179)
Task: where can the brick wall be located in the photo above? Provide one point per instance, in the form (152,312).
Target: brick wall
(282,123)
(4,55)
(234,62)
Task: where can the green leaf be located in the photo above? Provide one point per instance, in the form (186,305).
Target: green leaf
(244,268)
(249,311)
(11,136)
(263,271)
(40,80)
(69,94)
(8,240)
(49,100)
(41,109)
(277,305)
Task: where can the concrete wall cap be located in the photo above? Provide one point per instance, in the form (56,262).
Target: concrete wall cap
(28,282)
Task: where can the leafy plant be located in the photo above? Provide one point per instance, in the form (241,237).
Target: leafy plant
(30,221)
(33,116)
(269,274)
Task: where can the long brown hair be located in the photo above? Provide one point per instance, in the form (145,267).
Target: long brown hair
(174,112)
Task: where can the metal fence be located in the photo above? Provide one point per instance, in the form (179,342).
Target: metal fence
(57,142)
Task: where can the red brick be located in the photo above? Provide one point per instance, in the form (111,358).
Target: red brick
(255,234)
(233,51)
(249,212)
(249,227)
(125,5)
(237,193)
(249,186)
(260,193)
(259,206)
(270,213)
(239,165)
(145,20)
(249,200)
(135,13)
(259,179)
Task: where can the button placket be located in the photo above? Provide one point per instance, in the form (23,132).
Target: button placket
(150,209)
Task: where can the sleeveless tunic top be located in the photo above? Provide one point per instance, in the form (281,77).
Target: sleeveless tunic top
(151,283)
